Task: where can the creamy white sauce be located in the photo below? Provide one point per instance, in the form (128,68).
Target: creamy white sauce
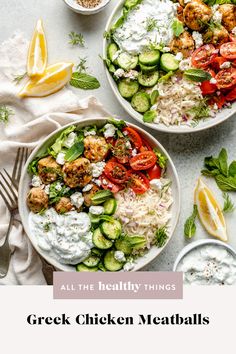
(67,237)
(208,265)
(133,35)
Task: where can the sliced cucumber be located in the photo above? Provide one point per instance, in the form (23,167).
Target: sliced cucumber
(149,116)
(111,263)
(124,246)
(110,206)
(128,88)
(100,241)
(140,102)
(127,61)
(168,62)
(111,229)
(131,3)
(147,69)
(83,268)
(91,261)
(96,252)
(148,80)
(150,58)
(111,51)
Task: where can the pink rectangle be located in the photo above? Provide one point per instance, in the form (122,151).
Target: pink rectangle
(120,285)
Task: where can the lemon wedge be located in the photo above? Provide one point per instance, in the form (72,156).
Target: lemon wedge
(37,54)
(209,211)
(54,78)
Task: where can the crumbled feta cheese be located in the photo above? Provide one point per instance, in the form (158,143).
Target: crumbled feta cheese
(225,65)
(125,133)
(234,30)
(70,140)
(134,152)
(89,132)
(215,7)
(197,39)
(166,49)
(213,81)
(104,181)
(116,54)
(87,188)
(119,256)
(156,184)
(217,17)
(119,73)
(132,74)
(77,199)
(97,168)
(128,145)
(128,266)
(215,106)
(96,210)
(179,56)
(97,182)
(47,189)
(184,64)
(187,1)
(36,181)
(109,131)
(60,158)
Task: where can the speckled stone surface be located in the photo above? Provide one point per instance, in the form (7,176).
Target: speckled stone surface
(187,151)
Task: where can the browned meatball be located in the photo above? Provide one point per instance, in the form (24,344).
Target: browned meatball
(184,44)
(88,195)
(95,148)
(217,35)
(197,15)
(228,12)
(180,14)
(77,173)
(48,169)
(37,200)
(63,206)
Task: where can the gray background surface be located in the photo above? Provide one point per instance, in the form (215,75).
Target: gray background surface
(187,151)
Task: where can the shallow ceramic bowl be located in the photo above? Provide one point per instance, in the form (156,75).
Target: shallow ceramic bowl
(74,6)
(199,243)
(26,179)
(203,124)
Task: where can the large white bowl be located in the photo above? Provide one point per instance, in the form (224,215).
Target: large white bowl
(203,124)
(26,179)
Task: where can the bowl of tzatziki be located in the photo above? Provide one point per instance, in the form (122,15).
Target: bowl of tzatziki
(99,195)
(171,65)
(207,262)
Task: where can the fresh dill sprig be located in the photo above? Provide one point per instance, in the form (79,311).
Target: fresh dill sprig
(17,79)
(82,67)
(151,23)
(201,110)
(107,35)
(229,206)
(5,113)
(76,39)
(161,236)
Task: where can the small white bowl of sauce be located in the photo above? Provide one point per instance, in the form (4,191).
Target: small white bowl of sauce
(86,7)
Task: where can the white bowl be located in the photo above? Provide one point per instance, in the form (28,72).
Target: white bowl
(25,182)
(73,5)
(197,244)
(203,124)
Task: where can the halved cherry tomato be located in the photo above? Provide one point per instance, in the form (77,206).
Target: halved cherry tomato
(121,151)
(145,146)
(115,172)
(234,64)
(206,86)
(109,185)
(111,141)
(143,160)
(226,78)
(232,38)
(138,182)
(154,172)
(228,50)
(218,99)
(231,96)
(217,62)
(134,137)
(203,56)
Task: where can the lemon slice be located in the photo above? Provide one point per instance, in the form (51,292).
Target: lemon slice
(37,54)
(209,211)
(54,78)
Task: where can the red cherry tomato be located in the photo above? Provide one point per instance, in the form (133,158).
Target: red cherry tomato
(143,160)
(111,141)
(228,50)
(203,56)
(206,86)
(219,100)
(145,146)
(109,185)
(138,182)
(231,96)
(154,172)
(217,62)
(115,172)
(226,78)
(121,151)
(134,137)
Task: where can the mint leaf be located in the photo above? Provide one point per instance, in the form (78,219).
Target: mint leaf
(226,184)
(223,162)
(84,81)
(190,226)
(232,169)
(197,75)
(177,27)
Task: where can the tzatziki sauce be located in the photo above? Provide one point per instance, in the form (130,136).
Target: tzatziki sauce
(208,264)
(66,237)
(149,22)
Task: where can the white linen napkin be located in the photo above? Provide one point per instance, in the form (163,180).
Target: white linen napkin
(33,119)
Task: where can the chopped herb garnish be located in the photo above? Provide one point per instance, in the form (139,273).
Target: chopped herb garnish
(151,24)
(161,236)
(18,78)
(229,206)
(201,110)
(76,39)
(81,67)
(5,113)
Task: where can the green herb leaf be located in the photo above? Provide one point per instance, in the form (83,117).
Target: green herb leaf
(197,75)
(232,169)
(75,151)
(177,27)
(154,96)
(151,24)
(57,146)
(101,196)
(166,76)
(161,159)
(161,237)
(118,123)
(229,206)
(226,184)
(107,35)
(199,111)
(223,162)
(56,192)
(81,67)
(190,226)
(76,39)
(84,81)
(149,116)
(18,78)
(5,113)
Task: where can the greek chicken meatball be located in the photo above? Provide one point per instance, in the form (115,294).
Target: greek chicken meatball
(95,148)
(180,13)
(48,169)
(37,200)
(216,36)
(184,44)
(77,173)
(197,14)
(228,12)
(88,195)
(63,206)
